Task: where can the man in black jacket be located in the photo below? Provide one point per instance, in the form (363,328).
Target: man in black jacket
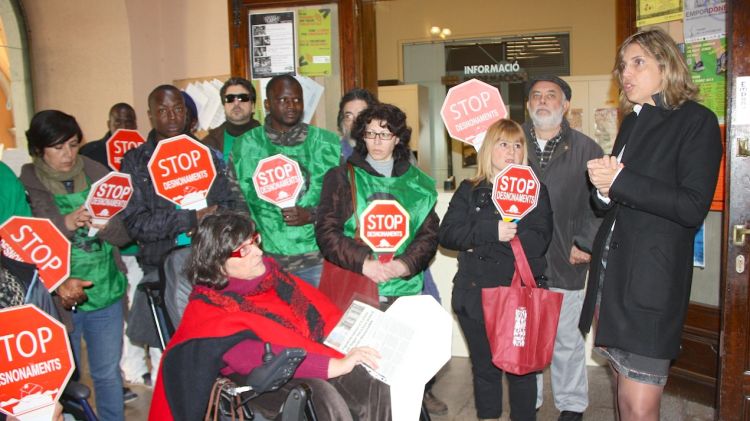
(558,154)
(155,223)
(121,116)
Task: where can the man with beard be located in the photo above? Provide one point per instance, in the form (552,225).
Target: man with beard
(558,154)
(289,233)
(238,97)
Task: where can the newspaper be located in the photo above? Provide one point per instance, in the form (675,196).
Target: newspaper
(364,325)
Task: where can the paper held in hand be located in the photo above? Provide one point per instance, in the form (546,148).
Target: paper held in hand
(413,338)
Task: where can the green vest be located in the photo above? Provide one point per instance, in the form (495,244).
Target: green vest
(228,144)
(415,191)
(92,259)
(320,152)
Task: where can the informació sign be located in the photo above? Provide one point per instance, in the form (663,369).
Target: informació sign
(495,68)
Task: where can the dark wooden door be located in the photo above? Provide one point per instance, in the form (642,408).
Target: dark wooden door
(734,378)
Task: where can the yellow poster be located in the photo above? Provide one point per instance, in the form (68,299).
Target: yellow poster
(650,12)
(314,41)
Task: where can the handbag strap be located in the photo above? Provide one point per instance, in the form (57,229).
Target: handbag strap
(353,189)
(212,411)
(523,270)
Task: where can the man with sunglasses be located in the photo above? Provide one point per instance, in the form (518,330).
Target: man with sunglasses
(289,233)
(238,97)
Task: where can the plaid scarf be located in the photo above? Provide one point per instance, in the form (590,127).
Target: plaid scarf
(275,283)
(549,148)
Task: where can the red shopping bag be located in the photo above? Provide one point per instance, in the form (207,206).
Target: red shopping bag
(521,320)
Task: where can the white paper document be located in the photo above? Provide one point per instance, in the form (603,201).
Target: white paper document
(413,338)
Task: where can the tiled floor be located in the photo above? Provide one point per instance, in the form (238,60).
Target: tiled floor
(454,385)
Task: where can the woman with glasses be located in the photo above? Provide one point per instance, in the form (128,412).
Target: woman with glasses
(473,226)
(242,299)
(380,169)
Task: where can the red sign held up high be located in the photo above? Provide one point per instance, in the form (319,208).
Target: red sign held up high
(120,142)
(470,109)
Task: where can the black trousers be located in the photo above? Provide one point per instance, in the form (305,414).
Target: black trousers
(487,378)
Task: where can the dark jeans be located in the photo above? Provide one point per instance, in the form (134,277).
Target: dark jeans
(354,396)
(488,379)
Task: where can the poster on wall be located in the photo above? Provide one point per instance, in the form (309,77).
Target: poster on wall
(605,128)
(699,252)
(314,38)
(707,62)
(272,47)
(649,12)
(704,20)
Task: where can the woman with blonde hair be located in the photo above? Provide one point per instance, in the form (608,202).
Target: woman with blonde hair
(474,227)
(655,191)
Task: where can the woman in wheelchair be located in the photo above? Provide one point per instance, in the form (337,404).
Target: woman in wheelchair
(240,300)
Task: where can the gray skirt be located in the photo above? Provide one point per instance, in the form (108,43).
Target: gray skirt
(639,368)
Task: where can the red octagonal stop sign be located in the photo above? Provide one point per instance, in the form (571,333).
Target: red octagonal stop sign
(278,180)
(515,191)
(38,241)
(470,109)
(35,359)
(120,142)
(109,195)
(384,225)
(182,171)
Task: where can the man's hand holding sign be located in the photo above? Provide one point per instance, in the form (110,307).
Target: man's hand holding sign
(278,180)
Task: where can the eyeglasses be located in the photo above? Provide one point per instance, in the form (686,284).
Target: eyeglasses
(369,134)
(229,98)
(244,248)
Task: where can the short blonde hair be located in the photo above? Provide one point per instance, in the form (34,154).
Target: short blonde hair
(677,86)
(502,130)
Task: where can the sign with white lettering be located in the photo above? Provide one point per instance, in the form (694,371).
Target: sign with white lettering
(119,143)
(470,109)
(182,171)
(35,360)
(384,225)
(515,191)
(278,180)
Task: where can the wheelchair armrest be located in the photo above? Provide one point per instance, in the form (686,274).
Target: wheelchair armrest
(77,391)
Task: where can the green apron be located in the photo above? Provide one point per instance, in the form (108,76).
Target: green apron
(320,152)
(415,192)
(228,144)
(92,259)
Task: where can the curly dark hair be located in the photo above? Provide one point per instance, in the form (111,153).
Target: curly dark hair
(238,81)
(50,128)
(213,242)
(395,122)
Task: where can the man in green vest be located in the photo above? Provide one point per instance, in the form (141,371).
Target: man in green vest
(289,234)
(238,97)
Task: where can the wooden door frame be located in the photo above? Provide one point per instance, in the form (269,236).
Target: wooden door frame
(358,45)
(733,402)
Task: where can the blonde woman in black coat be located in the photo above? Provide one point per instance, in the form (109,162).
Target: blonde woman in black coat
(655,190)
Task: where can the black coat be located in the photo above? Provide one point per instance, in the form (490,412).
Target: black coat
(154,221)
(470,226)
(658,201)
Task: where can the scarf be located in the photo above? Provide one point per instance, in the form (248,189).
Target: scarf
(236,130)
(293,137)
(274,283)
(53,179)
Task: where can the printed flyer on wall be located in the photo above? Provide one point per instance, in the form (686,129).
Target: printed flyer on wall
(704,20)
(272,46)
(314,29)
(707,62)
